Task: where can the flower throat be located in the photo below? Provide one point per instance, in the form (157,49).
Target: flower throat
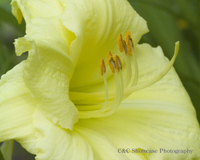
(113,99)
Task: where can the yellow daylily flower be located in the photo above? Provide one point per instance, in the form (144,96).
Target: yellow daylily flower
(58,104)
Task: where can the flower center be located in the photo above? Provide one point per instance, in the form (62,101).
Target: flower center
(108,102)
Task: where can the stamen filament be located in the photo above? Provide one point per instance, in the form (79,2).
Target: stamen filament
(118,65)
(129,68)
(90,114)
(122,84)
(135,80)
(118,98)
(117,95)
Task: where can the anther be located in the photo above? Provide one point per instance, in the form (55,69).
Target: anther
(109,55)
(128,33)
(118,63)
(129,39)
(102,67)
(125,47)
(111,62)
(120,43)
(129,42)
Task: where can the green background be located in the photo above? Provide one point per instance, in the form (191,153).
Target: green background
(168,20)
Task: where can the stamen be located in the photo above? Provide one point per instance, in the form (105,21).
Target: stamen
(119,90)
(102,67)
(128,64)
(130,46)
(106,92)
(114,64)
(120,43)
(108,109)
(111,62)
(118,63)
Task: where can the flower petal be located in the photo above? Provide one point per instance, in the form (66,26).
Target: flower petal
(51,68)
(48,32)
(16,109)
(158,117)
(147,125)
(47,74)
(96,25)
(151,62)
(30,9)
(102,146)
(55,143)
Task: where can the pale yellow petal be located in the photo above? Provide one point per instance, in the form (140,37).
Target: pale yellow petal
(47,73)
(55,143)
(147,125)
(16,109)
(151,62)
(96,25)
(49,32)
(102,146)
(158,117)
(16,11)
(35,8)
(51,68)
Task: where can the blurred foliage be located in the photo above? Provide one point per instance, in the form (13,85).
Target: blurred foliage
(1,156)
(9,30)
(168,20)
